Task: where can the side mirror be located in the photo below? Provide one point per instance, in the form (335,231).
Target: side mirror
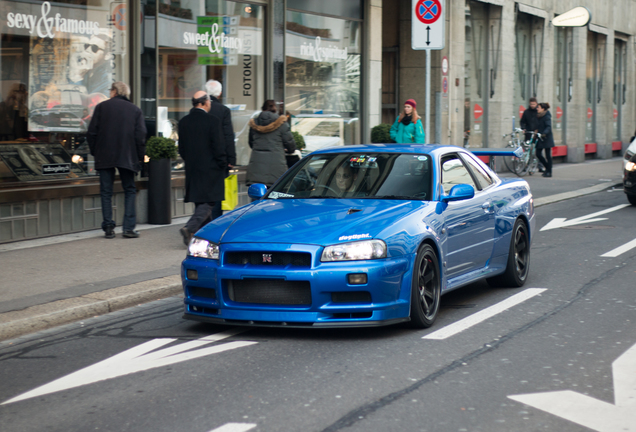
(459,192)
(257,191)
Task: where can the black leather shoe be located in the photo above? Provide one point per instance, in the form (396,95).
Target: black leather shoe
(547,174)
(187,236)
(110,233)
(131,234)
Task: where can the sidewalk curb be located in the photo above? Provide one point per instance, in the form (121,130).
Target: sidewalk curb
(538,202)
(42,317)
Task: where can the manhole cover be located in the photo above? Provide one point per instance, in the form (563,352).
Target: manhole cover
(589,227)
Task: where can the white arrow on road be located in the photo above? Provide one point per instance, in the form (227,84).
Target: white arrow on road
(593,413)
(563,222)
(138,359)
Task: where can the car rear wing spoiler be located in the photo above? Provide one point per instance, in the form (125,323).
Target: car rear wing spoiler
(518,152)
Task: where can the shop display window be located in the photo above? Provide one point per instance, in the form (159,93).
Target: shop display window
(199,41)
(322,89)
(58,60)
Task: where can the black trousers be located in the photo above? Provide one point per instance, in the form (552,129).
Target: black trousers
(106,180)
(547,160)
(201,216)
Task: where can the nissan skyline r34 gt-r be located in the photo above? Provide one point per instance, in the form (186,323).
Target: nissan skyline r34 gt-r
(361,236)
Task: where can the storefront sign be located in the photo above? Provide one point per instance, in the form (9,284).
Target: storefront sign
(47,27)
(214,41)
(318,53)
(57,168)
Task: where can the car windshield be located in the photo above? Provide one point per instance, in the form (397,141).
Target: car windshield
(358,175)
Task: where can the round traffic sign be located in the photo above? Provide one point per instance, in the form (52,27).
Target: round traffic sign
(119,16)
(428,11)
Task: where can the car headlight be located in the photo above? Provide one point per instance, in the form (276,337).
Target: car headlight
(360,250)
(203,249)
(630,166)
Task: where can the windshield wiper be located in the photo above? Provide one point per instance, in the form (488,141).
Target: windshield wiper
(399,197)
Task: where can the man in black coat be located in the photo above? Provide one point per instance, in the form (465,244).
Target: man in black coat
(528,120)
(117,139)
(202,148)
(223,113)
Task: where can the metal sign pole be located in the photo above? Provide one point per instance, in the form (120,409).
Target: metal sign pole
(427,114)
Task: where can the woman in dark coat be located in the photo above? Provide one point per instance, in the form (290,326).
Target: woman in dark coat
(546,142)
(270,138)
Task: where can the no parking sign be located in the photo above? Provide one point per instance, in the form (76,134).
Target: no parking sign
(427,24)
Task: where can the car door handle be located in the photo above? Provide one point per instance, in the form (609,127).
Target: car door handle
(486,207)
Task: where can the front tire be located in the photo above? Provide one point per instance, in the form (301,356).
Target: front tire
(518,265)
(426,288)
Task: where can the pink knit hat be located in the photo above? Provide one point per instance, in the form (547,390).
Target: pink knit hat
(411,102)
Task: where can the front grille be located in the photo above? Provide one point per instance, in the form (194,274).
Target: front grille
(269,291)
(295,259)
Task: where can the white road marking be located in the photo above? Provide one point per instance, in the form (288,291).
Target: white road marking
(563,222)
(476,318)
(137,359)
(593,413)
(235,427)
(620,250)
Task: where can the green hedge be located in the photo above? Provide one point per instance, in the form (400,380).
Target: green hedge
(161,148)
(381,134)
(300,141)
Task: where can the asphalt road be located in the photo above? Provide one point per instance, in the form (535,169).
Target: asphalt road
(387,379)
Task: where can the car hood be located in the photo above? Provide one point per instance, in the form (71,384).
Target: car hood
(314,221)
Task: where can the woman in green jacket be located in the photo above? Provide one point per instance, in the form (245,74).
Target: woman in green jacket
(407,128)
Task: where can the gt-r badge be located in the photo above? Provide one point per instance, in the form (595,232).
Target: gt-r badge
(267,258)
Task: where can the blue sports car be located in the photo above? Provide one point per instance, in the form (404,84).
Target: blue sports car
(361,236)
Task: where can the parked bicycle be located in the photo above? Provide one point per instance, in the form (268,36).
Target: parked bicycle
(528,162)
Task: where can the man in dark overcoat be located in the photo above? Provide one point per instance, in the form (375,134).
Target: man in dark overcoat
(203,150)
(117,139)
(223,113)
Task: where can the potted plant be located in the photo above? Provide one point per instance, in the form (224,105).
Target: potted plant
(160,151)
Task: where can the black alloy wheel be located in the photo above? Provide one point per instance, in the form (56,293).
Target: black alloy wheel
(426,288)
(518,265)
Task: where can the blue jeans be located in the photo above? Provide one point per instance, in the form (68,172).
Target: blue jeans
(106,180)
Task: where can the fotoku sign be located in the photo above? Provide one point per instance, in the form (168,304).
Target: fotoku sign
(47,27)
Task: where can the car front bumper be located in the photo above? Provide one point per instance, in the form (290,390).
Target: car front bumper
(314,295)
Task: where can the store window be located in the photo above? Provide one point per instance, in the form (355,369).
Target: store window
(322,90)
(595,68)
(619,97)
(563,70)
(482,49)
(58,60)
(528,61)
(203,40)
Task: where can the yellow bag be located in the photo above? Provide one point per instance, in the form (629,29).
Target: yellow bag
(231,192)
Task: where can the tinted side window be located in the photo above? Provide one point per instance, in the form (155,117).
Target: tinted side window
(482,177)
(454,172)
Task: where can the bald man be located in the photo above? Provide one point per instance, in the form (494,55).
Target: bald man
(202,148)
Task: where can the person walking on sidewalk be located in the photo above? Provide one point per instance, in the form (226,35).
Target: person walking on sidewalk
(203,150)
(214,89)
(117,139)
(407,128)
(546,142)
(270,139)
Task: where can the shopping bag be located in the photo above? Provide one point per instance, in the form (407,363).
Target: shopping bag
(231,193)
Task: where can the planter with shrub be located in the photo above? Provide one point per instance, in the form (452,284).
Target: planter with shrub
(161,152)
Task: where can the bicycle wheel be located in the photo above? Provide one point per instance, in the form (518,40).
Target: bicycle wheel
(511,162)
(514,164)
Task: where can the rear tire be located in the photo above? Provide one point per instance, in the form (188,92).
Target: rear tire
(518,265)
(632,199)
(426,288)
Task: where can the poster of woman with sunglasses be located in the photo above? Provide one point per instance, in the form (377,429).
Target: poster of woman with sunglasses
(67,77)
